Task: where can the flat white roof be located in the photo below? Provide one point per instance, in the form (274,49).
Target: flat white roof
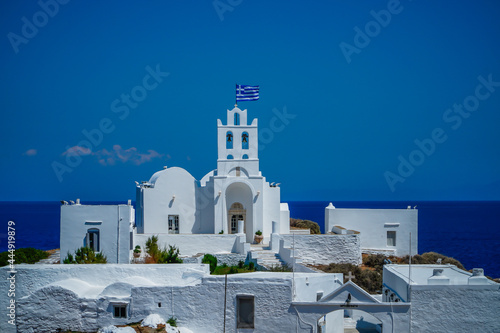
(421,273)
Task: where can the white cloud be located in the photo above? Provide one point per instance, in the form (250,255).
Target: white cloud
(30,152)
(117,154)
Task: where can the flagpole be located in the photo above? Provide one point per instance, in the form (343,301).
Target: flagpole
(236,95)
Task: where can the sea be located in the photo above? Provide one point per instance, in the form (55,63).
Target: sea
(468,231)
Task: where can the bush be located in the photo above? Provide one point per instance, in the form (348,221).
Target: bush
(251,266)
(370,281)
(152,248)
(221,232)
(431,258)
(305,224)
(280,268)
(211,260)
(85,255)
(241,264)
(137,249)
(27,255)
(170,256)
(172,321)
(258,233)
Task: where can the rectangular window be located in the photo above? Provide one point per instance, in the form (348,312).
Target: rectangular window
(391,238)
(173,224)
(120,311)
(93,239)
(238,171)
(245,311)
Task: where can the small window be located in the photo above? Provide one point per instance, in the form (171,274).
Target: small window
(245,156)
(229,140)
(173,224)
(245,311)
(120,311)
(230,157)
(244,140)
(391,238)
(238,171)
(93,239)
(236,118)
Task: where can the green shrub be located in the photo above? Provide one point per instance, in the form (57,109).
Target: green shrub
(241,264)
(251,266)
(152,248)
(85,255)
(258,233)
(137,249)
(161,256)
(170,256)
(172,321)
(27,255)
(211,260)
(221,232)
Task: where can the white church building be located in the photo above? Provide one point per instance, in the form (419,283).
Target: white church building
(231,203)
(172,201)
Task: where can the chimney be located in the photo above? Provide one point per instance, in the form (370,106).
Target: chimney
(438,277)
(478,277)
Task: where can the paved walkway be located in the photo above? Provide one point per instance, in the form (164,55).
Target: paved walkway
(53,259)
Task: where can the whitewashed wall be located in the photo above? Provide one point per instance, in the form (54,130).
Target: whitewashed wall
(455,309)
(184,291)
(373,225)
(189,245)
(325,249)
(114,224)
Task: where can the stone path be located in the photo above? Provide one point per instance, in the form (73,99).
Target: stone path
(53,259)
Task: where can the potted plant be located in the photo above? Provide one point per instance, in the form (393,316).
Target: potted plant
(258,237)
(137,251)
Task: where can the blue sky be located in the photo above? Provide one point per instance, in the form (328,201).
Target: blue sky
(379,100)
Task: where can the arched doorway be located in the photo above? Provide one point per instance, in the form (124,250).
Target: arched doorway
(236,213)
(349,321)
(241,196)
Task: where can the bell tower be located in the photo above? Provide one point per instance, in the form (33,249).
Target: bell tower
(237,144)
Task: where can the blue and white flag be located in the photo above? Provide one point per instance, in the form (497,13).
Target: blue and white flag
(247,93)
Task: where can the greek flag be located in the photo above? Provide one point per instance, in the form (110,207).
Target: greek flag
(247,93)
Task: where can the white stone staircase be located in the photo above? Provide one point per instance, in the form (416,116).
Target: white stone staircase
(263,256)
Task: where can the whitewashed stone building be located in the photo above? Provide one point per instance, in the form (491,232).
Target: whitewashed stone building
(172,201)
(385,231)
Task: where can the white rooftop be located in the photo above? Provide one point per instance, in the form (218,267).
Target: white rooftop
(420,274)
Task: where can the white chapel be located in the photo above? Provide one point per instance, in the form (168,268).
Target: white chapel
(174,202)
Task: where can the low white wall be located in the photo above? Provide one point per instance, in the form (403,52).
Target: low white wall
(186,292)
(189,245)
(30,278)
(324,249)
